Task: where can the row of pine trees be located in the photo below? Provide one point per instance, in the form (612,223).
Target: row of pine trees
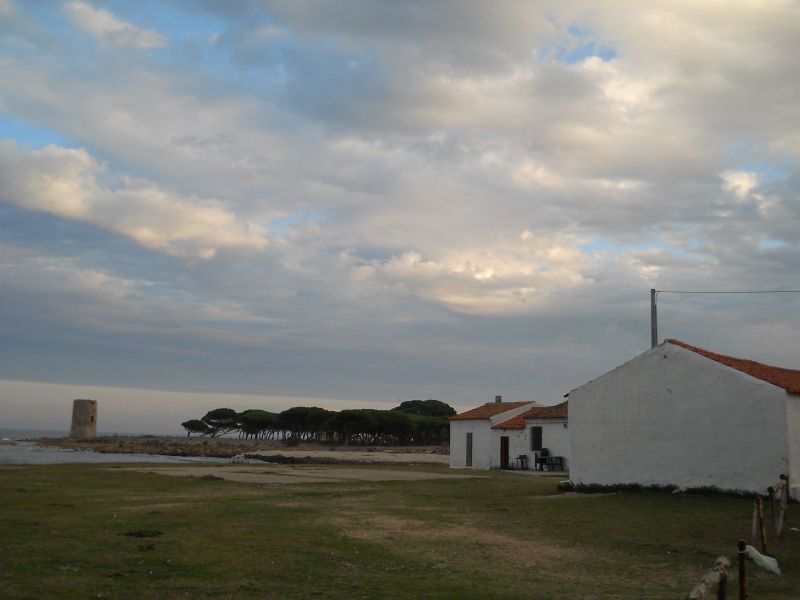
(412,422)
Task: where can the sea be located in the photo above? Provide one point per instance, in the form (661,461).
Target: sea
(18,447)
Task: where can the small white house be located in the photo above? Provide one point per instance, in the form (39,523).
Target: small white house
(540,429)
(681,415)
(472,439)
(509,435)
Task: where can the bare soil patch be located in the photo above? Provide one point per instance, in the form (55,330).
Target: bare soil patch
(569,495)
(289,474)
(333,456)
(522,552)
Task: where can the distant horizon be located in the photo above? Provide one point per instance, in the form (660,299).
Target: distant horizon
(130,410)
(65,433)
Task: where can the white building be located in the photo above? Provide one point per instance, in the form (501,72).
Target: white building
(681,415)
(538,429)
(496,435)
(472,438)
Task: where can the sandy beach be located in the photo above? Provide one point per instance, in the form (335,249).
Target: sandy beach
(265,450)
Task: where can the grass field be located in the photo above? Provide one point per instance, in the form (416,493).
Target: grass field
(95,531)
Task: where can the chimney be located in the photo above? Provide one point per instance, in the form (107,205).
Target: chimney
(498,399)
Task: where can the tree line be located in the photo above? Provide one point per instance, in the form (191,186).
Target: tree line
(413,422)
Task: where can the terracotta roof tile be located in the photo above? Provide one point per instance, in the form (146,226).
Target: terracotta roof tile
(559,411)
(788,379)
(488,410)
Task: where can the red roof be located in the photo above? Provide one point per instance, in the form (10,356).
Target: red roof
(488,410)
(788,379)
(559,411)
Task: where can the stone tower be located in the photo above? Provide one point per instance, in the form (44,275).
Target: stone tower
(84,419)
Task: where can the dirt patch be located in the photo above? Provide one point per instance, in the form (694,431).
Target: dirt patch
(157,508)
(569,495)
(522,552)
(289,474)
(305,456)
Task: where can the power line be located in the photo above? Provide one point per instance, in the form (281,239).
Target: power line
(654,311)
(729,292)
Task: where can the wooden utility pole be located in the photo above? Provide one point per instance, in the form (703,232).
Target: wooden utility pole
(653,320)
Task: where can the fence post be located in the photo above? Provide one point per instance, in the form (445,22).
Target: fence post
(742,570)
(718,576)
(722,586)
(783,504)
(762,529)
(785,500)
(771,492)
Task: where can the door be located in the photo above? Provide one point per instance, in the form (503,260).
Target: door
(504,452)
(536,438)
(469,450)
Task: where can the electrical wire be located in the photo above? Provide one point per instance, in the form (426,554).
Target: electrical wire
(731,292)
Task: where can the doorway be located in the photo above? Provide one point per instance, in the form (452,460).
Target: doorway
(468,462)
(536,438)
(504,452)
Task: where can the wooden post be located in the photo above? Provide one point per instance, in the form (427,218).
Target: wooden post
(783,503)
(653,320)
(742,570)
(785,499)
(722,586)
(761,528)
(718,575)
(771,492)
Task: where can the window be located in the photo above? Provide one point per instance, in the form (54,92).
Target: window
(536,438)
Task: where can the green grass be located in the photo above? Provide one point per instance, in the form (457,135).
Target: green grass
(92,531)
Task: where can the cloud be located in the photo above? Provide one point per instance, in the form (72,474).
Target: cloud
(104,26)
(515,276)
(361,175)
(739,183)
(73,295)
(71,184)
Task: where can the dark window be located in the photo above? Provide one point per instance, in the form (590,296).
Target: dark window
(536,438)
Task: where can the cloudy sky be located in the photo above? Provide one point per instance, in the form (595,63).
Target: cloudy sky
(374,201)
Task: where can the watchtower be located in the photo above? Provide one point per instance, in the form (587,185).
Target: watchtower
(84,419)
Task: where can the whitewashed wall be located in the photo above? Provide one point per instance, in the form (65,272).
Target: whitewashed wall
(671,416)
(484,440)
(480,443)
(555,437)
(516,446)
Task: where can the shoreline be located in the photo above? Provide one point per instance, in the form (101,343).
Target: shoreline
(256,450)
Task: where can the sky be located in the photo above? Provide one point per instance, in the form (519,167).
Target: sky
(355,203)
